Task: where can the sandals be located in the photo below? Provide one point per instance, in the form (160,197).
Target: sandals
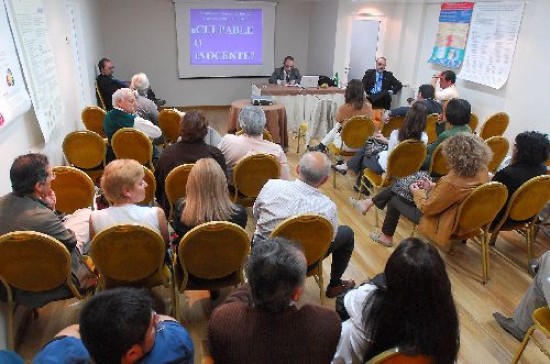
(358,205)
(376,237)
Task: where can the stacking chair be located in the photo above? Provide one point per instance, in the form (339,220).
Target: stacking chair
(394,356)
(266,135)
(525,205)
(354,134)
(209,257)
(438,163)
(85,150)
(301,133)
(92,117)
(169,123)
(176,184)
(73,189)
(314,233)
(130,143)
(251,174)
(394,123)
(100,97)
(151,181)
(499,146)
(474,121)
(405,159)
(129,255)
(541,319)
(431,130)
(34,262)
(320,122)
(495,125)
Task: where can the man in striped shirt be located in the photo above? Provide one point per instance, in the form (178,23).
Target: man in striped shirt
(280,199)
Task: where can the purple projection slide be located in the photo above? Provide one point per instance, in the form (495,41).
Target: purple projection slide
(225,36)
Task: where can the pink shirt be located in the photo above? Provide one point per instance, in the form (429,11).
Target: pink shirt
(234,148)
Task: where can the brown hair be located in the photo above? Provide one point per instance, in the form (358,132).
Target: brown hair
(193,127)
(467,154)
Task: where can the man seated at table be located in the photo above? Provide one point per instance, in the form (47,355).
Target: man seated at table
(235,147)
(286,75)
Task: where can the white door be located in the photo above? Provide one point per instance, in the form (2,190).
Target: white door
(364,41)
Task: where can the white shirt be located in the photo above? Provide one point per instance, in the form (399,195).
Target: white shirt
(446,94)
(126,214)
(150,129)
(279,199)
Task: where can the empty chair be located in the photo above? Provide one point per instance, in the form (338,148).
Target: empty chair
(250,175)
(495,125)
(92,117)
(169,123)
(85,150)
(499,146)
(73,188)
(130,143)
(175,184)
(314,233)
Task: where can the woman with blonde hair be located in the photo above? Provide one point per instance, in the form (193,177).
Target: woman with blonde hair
(207,199)
(123,185)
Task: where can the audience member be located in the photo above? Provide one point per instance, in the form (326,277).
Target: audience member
(191,148)
(412,308)
(260,323)
(235,147)
(207,199)
(425,96)
(279,200)
(145,108)
(355,104)
(435,206)
(380,84)
(31,207)
(286,75)
(120,326)
(529,157)
(447,89)
(537,295)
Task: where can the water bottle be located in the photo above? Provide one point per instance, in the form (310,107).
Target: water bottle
(336,80)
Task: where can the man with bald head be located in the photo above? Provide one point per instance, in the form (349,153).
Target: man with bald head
(280,199)
(380,84)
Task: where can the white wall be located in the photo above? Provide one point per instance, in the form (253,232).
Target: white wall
(140,36)
(322,37)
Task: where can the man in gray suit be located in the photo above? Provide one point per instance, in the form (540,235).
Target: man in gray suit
(286,75)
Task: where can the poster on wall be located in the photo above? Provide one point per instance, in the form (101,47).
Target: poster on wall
(28,24)
(14,99)
(454,22)
(492,42)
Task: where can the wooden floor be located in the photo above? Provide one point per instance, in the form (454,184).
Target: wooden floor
(482,340)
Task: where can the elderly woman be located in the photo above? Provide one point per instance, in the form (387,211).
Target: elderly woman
(189,149)
(235,147)
(123,185)
(207,199)
(410,305)
(355,104)
(145,108)
(435,206)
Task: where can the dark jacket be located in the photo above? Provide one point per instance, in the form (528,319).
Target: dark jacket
(389,82)
(279,74)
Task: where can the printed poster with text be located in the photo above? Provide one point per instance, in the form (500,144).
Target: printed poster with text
(450,44)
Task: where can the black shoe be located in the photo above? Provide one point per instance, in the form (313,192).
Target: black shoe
(508,324)
(318,148)
(341,168)
(533,267)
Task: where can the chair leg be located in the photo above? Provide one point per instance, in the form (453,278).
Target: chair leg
(485,258)
(298,142)
(334,179)
(413,232)
(523,344)
(176,304)
(321,284)
(11,337)
(529,238)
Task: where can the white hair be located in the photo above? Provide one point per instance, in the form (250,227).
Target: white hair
(121,94)
(140,83)
(252,120)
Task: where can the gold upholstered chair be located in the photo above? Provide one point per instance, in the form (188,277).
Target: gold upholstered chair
(394,123)
(92,117)
(438,163)
(431,123)
(130,143)
(474,122)
(169,123)
(85,150)
(73,189)
(314,233)
(266,134)
(151,181)
(495,125)
(405,159)
(541,319)
(34,262)
(209,257)
(394,356)
(175,185)
(499,146)
(100,97)
(251,174)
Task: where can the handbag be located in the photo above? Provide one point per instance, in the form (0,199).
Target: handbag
(401,186)
(374,146)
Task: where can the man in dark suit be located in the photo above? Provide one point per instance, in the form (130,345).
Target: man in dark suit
(286,75)
(380,84)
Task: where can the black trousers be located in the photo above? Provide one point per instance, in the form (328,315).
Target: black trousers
(396,206)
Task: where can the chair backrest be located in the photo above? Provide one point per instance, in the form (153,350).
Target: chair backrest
(529,199)
(474,121)
(151,181)
(126,254)
(481,206)
(394,356)
(266,134)
(495,124)
(438,163)
(542,317)
(406,158)
(84,149)
(73,189)
(92,117)
(169,123)
(34,262)
(313,232)
(430,130)
(213,250)
(499,146)
(100,97)
(131,143)
(394,123)
(356,130)
(176,184)
(251,174)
